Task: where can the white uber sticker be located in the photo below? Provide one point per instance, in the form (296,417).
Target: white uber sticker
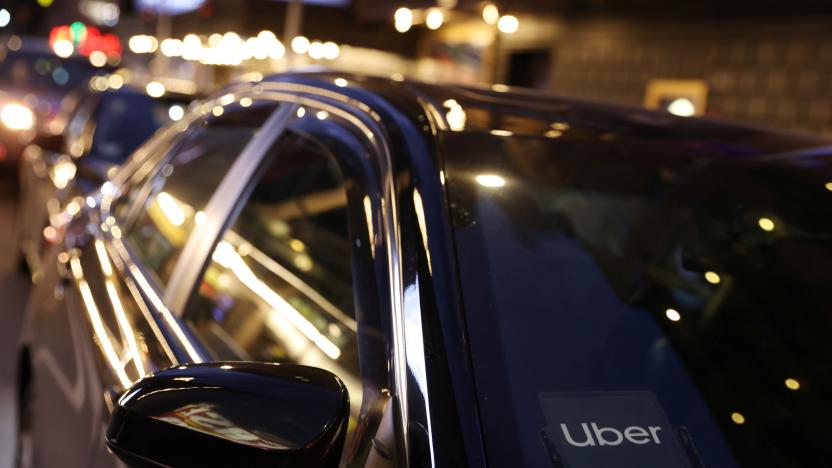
(610,429)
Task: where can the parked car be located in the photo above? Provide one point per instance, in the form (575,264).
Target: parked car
(96,130)
(33,80)
(321,268)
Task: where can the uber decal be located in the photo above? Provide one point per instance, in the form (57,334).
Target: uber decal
(610,429)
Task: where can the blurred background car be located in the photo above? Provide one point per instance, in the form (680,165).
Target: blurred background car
(33,80)
(98,127)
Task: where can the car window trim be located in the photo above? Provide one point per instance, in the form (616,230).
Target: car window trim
(151,154)
(187,269)
(387,230)
(368,121)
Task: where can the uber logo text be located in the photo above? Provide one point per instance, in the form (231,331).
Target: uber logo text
(610,436)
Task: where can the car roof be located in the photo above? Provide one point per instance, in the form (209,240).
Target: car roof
(533,113)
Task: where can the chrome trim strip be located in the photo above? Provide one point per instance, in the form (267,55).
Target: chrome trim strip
(147,286)
(389,211)
(186,271)
(297,94)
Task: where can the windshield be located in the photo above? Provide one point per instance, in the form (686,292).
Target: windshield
(628,308)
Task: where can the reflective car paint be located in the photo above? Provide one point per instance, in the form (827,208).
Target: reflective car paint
(214,414)
(440,404)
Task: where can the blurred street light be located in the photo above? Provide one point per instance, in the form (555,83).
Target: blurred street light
(403,19)
(172,47)
(63,48)
(191,47)
(14,43)
(331,50)
(142,44)
(434,19)
(5,17)
(98,58)
(115,81)
(155,89)
(490,14)
(17,117)
(300,45)
(316,50)
(100,12)
(276,50)
(176,112)
(508,24)
(266,36)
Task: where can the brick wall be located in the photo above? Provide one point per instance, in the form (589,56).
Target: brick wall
(772,72)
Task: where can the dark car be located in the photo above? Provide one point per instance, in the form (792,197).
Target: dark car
(96,130)
(33,80)
(320,268)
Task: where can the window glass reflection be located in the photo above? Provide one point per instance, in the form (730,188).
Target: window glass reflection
(184,184)
(699,281)
(278,286)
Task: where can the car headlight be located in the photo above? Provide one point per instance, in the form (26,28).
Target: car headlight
(17,117)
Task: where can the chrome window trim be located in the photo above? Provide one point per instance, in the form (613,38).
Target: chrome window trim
(390,230)
(135,271)
(299,94)
(112,232)
(187,269)
(142,155)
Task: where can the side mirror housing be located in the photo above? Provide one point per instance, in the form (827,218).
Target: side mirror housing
(232,414)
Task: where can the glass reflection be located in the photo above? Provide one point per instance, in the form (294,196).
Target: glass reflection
(651,268)
(279,283)
(176,198)
(101,333)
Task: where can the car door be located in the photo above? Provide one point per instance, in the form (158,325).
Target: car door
(291,276)
(45,171)
(96,323)
(288,264)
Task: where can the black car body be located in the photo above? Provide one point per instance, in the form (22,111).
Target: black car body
(93,133)
(501,279)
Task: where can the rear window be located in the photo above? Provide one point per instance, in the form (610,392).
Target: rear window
(645,309)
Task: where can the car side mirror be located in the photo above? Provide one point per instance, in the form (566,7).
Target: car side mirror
(232,414)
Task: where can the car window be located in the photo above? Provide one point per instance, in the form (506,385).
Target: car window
(607,295)
(183,184)
(283,265)
(279,284)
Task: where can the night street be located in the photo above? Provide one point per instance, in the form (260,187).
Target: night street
(433,233)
